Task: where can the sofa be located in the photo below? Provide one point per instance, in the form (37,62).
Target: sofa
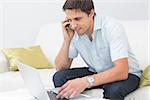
(50,38)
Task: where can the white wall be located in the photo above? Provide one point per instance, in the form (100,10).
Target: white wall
(123,9)
(1,26)
(23,18)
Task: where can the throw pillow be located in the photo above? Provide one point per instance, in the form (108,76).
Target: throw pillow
(145,77)
(32,56)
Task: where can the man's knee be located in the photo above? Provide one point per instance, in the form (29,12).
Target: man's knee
(59,78)
(113,93)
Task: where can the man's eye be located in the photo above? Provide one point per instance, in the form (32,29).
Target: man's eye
(77,19)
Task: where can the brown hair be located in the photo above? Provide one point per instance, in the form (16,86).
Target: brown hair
(83,5)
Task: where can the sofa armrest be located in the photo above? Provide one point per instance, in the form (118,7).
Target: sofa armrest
(3,63)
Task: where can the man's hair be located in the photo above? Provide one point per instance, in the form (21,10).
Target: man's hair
(83,5)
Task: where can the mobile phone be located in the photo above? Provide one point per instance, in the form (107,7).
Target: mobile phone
(68,26)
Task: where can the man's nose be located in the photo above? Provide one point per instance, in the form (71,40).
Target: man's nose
(73,25)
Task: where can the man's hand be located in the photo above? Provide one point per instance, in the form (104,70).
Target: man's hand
(73,88)
(62,60)
(67,32)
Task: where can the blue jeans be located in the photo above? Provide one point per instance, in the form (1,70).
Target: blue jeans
(115,91)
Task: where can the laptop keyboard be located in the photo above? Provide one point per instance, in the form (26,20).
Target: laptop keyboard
(53,95)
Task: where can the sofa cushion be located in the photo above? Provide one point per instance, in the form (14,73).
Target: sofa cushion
(139,94)
(50,38)
(32,56)
(12,80)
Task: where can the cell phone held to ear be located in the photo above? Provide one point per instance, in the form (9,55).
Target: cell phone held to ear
(68,26)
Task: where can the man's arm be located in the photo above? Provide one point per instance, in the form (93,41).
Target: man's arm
(118,44)
(116,73)
(62,61)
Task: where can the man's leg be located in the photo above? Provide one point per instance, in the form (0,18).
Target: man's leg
(63,76)
(118,90)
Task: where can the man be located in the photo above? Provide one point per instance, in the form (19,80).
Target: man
(102,43)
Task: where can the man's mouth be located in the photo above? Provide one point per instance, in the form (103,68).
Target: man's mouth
(77,29)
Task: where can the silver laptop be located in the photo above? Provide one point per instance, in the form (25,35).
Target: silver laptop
(34,83)
(35,86)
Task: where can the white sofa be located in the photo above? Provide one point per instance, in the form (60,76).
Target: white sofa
(49,38)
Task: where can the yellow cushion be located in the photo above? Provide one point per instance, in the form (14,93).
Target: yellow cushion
(32,56)
(145,78)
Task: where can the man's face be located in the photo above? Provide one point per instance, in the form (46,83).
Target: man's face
(80,21)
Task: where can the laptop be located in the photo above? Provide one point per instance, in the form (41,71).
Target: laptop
(35,86)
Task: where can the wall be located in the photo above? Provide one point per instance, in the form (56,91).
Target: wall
(24,19)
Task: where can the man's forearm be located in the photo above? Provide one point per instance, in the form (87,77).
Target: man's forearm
(108,76)
(62,60)
(116,73)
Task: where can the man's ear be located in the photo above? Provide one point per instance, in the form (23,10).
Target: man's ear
(92,13)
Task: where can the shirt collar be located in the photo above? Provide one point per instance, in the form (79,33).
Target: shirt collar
(97,25)
(97,22)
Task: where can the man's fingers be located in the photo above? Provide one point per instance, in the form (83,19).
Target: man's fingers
(65,20)
(73,94)
(67,93)
(61,90)
(64,91)
(63,87)
(64,24)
